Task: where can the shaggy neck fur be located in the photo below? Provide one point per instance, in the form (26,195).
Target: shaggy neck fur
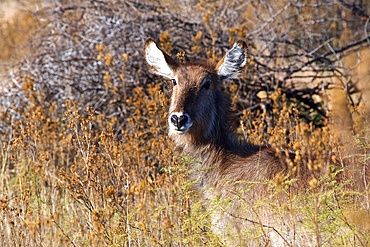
(221,156)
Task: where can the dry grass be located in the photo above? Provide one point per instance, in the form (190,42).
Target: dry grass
(70,182)
(91,165)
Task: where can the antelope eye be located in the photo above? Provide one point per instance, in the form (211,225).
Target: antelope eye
(174,82)
(206,83)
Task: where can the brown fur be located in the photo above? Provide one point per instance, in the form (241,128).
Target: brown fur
(220,150)
(225,168)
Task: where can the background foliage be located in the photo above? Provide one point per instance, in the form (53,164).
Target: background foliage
(84,155)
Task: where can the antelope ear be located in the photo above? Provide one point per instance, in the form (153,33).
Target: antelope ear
(234,60)
(160,63)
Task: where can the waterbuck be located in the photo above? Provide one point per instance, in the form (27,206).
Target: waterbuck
(230,173)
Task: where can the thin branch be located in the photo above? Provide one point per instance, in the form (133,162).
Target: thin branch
(62,230)
(327,54)
(262,225)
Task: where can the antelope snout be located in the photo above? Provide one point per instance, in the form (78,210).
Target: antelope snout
(179,122)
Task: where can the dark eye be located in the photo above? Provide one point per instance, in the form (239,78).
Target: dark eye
(174,82)
(206,83)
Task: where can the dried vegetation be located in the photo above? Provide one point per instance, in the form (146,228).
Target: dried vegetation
(85,160)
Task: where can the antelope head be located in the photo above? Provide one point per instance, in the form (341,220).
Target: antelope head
(196,103)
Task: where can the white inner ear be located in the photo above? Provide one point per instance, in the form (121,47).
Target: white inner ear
(234,60)
(156,60)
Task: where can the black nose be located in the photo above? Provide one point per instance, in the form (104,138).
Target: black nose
(179,121)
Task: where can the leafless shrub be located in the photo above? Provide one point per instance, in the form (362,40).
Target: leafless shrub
(90,52)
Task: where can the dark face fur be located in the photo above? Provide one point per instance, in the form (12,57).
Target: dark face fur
(192,109)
